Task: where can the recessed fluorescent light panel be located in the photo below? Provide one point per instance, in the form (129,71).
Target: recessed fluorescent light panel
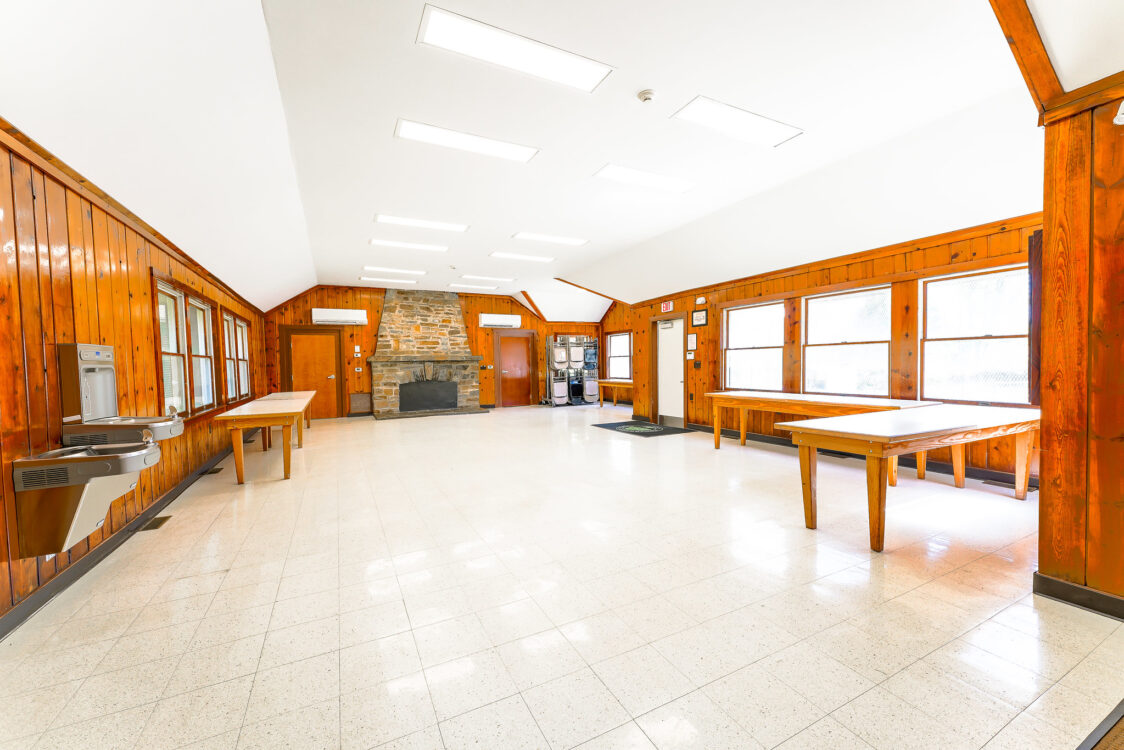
(388,281)
(381,269)
(484,278)
(737,123)
(410,245)
(533,237)
(640,178)
(416,131)
(446,30)
(520,256)
(401,221)
(472,286)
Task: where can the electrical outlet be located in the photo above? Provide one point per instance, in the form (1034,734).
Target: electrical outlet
(359,369)
(356,355)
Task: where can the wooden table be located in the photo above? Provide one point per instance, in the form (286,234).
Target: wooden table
(808,404)
(290,395)
(613,385)
(882,436)
(266,413)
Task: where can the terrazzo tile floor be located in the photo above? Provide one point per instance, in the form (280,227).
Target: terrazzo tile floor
(521,580)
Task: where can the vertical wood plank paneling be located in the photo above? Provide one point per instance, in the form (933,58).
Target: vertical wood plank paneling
(793,365)
(1104,552)
(1065,335)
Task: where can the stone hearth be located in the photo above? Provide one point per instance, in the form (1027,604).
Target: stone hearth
(422,338)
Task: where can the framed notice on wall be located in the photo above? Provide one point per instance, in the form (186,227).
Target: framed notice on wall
(692,339)
(698,317)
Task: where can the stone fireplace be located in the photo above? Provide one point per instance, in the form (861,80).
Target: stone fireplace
(422,363)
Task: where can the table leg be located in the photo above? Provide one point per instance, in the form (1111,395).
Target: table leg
(308,416)
(717,425)
(877,467)
(615,394)
(808,483)
(743,414)
(287,449)
(266,434)
(236,446)
(922,457)
(300,432)
(958,464)
(601,394)
(1023,443)
(892,473)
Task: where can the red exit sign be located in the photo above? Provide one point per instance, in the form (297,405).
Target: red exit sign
(667,306)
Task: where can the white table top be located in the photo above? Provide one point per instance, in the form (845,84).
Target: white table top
(906,424)
(874,402)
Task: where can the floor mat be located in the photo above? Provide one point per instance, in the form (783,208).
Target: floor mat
(643,429)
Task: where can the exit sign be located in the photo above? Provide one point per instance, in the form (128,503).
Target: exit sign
(667,306)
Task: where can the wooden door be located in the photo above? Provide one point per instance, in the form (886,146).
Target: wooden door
(515,370)
(315,366)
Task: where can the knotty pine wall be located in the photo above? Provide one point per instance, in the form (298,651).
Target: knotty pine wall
(482,341)
(75,268)
(298,311)
(901,266)
(1081,519)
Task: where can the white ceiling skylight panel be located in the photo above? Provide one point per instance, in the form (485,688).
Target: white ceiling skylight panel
(640,178)
(736,123)
(550,238)
(416,131)
(384,269)
(442,226)
(521,256)
(410,245)
(449,31)
(383,280)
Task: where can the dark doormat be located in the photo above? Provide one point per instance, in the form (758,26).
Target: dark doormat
(643,429)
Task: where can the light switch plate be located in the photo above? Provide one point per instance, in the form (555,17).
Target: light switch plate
(359,369)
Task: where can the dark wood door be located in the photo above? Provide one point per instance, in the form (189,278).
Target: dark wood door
(315,364)
(515,370)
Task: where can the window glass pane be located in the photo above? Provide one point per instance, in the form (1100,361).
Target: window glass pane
(993,304)
(858,316)
(203,382)
(244,375)
(231,379)
(199,320)
(243,349)
(620,367)
(228,343)
(860,369)
(977,370)
(755,326)
(619,345)
(166,312)
(755,369)
(174,395)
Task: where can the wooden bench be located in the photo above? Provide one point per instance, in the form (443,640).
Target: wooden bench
(268,412)
(615,386)
(882,436)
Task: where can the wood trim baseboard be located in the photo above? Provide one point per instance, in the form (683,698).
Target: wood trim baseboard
(1100,602)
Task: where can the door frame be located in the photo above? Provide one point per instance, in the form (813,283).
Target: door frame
(654,364)
(285,334)
(497,363)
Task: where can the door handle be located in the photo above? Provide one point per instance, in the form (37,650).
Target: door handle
(504,372)
(331,377)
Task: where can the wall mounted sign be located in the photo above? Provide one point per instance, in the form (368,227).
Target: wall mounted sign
(692,339)
(698,318)
(700,300)
(690,355)
(667,306)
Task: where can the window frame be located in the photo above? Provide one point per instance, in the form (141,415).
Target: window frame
(805,325)
(924,337)
(236,321)
(725,340)
(184,298)
(608,358)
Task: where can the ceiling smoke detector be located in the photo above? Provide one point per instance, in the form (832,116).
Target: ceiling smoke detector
(646,95)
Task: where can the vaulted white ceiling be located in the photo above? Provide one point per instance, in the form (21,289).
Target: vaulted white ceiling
(261,138)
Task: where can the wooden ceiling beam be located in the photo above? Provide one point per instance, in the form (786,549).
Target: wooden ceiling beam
(531,302)
(1026,44)
(1089,96)
(591,291)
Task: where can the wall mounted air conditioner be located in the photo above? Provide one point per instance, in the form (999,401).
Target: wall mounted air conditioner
(325,316)
(494,320)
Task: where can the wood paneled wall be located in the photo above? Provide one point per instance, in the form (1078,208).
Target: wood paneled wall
(1082,376)
(298,311)
(75,268)
(900,266)
(482,340)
